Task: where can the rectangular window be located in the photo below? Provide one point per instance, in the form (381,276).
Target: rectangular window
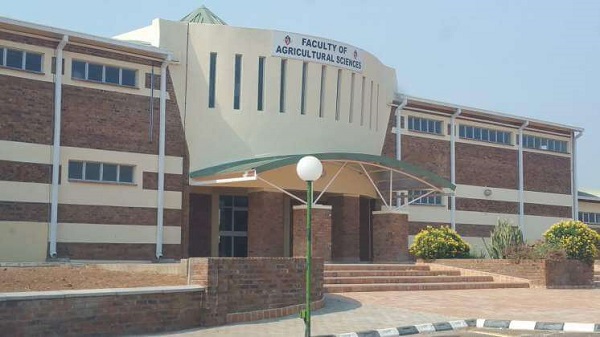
(212,77)
(303,88)
(81,70)
(371,106)
(485,135)
(544,144)
(237,79)
(424,125)
(322,94)
(282,86)
(100,172)
(338,94)
(589,218)
(261,84)
(351,112)
(33,62)
(415,198)
(362,102)
(14,58)
(19,59)
(2,51)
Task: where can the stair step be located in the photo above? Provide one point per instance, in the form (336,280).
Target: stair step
(404,279)
(388,267)
(369,273)
(342,288)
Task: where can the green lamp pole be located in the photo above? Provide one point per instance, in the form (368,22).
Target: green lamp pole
(309,169)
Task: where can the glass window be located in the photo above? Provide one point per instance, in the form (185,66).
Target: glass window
(462,132)
(240,246)
(78,70)
(94,72)
(225,219)
(240,220)
(14,58)
(212,80)
(109,172)
(237,88)
(261,83)
(338,94)
(33,62)
(128,77)
(92,171)
(240,201)
(112,75)
(352,85)
(322,94)
(282,85)
(2,56)
(225,201)
(75,170)
(125,174)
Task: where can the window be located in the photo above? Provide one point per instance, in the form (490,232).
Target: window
(303,89)
(322,95)
(261,84)
(338,94)
(485,135)
(100,172)
(545,144)
(20,59)
(233,226)
(431,199)
(362,102)
(237,78)
(351,113)
(424,125)
(82,70)
(211,80)
(590,218)
(282,86)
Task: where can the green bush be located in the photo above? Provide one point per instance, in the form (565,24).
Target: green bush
(576,238)
(504,239)
(439,243)
(540,250)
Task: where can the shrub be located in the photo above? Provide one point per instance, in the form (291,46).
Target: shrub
(439,243)
(540,250)
(505,237)
(576,238)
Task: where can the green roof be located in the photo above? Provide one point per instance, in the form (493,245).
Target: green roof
(203,15)
(271,163)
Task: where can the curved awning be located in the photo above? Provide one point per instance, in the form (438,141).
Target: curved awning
(385,175)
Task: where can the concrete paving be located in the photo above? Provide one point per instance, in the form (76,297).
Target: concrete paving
(365,311)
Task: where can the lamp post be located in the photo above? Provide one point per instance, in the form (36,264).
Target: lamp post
(309,169)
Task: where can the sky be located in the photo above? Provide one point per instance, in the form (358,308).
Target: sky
(532,58)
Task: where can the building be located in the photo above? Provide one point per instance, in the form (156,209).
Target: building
(180,139)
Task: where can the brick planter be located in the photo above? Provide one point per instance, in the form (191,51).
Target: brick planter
(540,273)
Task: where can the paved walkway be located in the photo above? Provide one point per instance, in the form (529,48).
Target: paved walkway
(365,311)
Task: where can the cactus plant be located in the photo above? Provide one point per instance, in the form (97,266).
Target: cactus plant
(504,239)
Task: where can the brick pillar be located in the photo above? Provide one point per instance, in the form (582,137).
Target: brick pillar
(390,237)
(345,222)
(321,231)
(265,224)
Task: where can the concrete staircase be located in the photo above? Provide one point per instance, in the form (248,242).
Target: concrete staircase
(341,278)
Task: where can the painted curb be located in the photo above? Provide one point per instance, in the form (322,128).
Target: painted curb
(472,323)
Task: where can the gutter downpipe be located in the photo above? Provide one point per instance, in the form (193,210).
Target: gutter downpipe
(453,166)
(574,187)
(56,146)
(521,182)
(399,138)
(161,159)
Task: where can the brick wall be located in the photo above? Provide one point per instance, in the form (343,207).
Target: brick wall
(265,224)
(345,226)
(547,173)
(540,273)
(321,232)
(488,206)
(200,228)
(173,182)
(390,237)
(430,154)
(486,166)
(237,285)
(115,251)
(86,313)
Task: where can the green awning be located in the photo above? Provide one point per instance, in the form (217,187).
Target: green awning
(378,165)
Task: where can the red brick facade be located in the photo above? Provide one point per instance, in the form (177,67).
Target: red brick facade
(430,154)
(390,237)
(200,227)
(321,231)
(345,222)
(487,166)
(547,173)
(265,224)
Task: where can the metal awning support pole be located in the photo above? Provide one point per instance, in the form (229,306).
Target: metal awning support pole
(279,188)
(375,186)
(330,182)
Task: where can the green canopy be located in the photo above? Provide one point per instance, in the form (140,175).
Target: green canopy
(378,165)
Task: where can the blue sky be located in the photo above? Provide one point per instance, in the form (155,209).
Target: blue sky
(539,59)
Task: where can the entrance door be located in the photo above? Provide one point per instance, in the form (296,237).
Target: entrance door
(233,226)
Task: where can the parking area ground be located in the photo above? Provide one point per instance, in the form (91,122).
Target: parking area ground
(365,311)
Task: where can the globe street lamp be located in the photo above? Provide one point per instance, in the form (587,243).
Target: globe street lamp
(309,169)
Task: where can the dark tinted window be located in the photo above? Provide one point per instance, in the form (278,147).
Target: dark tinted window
(109,172)
(94,72)
(33,62)
(126,174)
(14,58)
(128,77)
(78,70)
(75,170)
(112,75)
(212,80)
(92,171)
